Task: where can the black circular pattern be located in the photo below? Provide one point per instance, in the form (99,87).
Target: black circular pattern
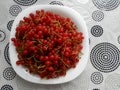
(25,2)
(106,5)
(9,25)
(9,73)
(96,89)
(105,57)
(6,54)
(56,3)
(6,87)
(97,78)
(97,31)
(97,15)
(15,10)
(2,36)
(119,39)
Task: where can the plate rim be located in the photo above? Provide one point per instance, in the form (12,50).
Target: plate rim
(55,81)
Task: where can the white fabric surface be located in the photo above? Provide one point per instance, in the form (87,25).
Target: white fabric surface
(111,31)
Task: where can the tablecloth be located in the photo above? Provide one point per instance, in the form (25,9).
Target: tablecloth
(103,21)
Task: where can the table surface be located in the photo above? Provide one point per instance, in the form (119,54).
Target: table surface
(103,20)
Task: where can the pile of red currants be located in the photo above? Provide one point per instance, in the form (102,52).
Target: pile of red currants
(47,44)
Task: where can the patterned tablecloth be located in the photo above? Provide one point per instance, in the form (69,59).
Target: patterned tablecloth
(103,22)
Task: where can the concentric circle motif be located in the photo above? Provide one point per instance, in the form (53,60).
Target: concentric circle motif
(97,15)
(97,31)
(9,73)
(96,89)
(6,54)
(15,10)
(112,82)
(25,2)
(106,5)
(119,39)
(56,3)
(9,25)
(6,87)
(105,57)
(2,36)
(97,78)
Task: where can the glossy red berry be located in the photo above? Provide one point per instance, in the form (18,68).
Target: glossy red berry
(50,68)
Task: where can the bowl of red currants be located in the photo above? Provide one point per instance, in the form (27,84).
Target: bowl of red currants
(49,44)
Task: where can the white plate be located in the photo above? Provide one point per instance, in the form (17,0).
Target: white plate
(72,73)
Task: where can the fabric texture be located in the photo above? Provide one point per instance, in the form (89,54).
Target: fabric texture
(102,71)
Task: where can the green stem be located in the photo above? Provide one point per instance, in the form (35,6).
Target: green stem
(64,63)
(57,34)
